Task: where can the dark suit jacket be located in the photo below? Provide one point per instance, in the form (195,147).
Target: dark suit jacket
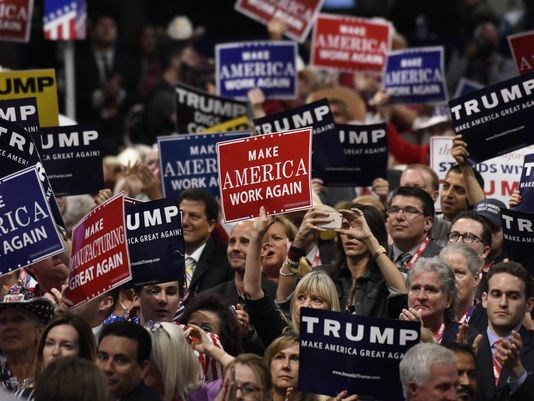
(212,268)
(487,391)
(229,292)
(141,393)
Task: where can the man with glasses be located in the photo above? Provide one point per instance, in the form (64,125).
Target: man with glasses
(410,219)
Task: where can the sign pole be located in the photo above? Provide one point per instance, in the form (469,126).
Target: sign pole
(70,89)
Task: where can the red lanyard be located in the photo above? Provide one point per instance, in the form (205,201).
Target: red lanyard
(417,253)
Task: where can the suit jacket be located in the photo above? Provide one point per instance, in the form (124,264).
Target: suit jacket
(486,390)
(141,393)
(229,292)
(212,268)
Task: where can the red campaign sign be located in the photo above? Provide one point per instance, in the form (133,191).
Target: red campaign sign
(350,44)
(522,46)
(298,15)
(99,258)
(15,20)
(271,170)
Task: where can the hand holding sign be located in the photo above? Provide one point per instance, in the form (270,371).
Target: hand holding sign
(459,150)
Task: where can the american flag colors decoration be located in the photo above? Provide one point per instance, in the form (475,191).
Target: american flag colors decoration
(64,19)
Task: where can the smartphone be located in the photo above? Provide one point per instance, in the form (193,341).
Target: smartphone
(336,220)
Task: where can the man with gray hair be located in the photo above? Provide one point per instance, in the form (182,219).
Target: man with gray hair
(428,372)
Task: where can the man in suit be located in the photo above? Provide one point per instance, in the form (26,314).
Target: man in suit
(505,358)
(206,264)
(410,219)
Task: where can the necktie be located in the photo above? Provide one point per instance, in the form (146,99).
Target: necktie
(497,363)
(403,260)
(190,264)
(107,67)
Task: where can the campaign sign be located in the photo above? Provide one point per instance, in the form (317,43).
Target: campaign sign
(351,44)
(99,260)
(155,241)
(466,86)
(518,230)
(270,170)
(29,233)
(501,174)
(269,66)
(364,146)
(190,161)
(197,110)
(356,353)
(526,185)
(17,151)
(327,150)
(522,47)
(22,112)
(416,76)
(16,20)
(297,15)
(235,124)
(497,119)
(72,158)
(40,84)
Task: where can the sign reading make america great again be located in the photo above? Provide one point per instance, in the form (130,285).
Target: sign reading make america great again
(416,76)
(29,233)
(22,112)
(196,110)
(357,353)
(269,66)
(99,260)
(270,170)
(353,44)
(327,150)
(297,15)
(497,119)
(518,232)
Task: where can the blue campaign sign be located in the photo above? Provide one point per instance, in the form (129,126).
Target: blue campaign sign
(269,66)
(190,161)
(364,146)
(416,76)
(497,119)
(466,86)
(155,241)
(518,234)
(327,149)
(72,158)
(21,111)
(17,151)
(29,233)
(526,185)
(357,353)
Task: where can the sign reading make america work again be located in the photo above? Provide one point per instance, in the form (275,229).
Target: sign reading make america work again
(271,170)
(15,20)
(197,110)
(269,66)
(40,84)
(29,233)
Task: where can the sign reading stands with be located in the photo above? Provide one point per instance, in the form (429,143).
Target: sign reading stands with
(297,15)
(197,110)
(155,241)
(350,44)
(497,119)
(416,76)
(40,84)
(72,158)
(29,233)
(269,66)
(270,170)
(356,353)
(99,260)
(190,161)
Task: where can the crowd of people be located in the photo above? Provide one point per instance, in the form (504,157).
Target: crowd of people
(227,328)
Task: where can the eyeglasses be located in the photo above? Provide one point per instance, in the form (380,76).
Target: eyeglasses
(248,389)
(409,211)
(467,238)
